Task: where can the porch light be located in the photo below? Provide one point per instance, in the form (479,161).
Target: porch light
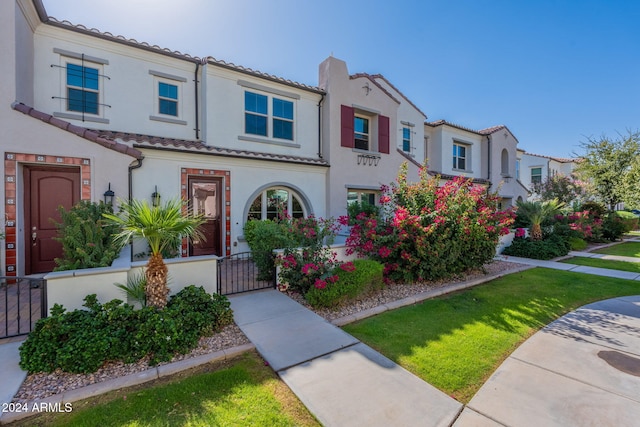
(155,198)
(108,196)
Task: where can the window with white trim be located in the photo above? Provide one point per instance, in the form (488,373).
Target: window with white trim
(167,99)
(276,202)
(460,156)
(268,116)
(361,196)
(83,88)
(361,132)
(406,139)
(536,175)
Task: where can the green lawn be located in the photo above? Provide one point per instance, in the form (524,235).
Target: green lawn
(242,393)
(455,342)
(604,263)
(623,249)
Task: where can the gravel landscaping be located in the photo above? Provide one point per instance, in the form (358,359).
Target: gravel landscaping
(42,385)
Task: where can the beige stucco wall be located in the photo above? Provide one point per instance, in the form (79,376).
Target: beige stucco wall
(345,172)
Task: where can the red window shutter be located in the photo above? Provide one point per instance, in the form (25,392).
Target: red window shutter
(347,138)
(383,134)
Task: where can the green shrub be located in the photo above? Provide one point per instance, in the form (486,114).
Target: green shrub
(81,341)
(86,237)
(356,208)
(629,220)
(364,277)
(577,244)
(263,238)
(614,227)
(552,247)
(597,210)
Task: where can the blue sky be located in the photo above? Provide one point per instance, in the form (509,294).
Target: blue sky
(554,72)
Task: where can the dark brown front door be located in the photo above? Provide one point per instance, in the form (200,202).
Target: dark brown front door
(45,190)
(205,197)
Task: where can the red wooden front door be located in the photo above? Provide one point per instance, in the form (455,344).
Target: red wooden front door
(46,188)
(205,197)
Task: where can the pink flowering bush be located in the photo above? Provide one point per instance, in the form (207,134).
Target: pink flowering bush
(308,263)
(427,231)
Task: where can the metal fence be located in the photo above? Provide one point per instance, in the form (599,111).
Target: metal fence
(23,300)
(239,273)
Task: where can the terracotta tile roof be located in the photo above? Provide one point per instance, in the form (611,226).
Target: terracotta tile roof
(557,159)
(82,132)
(245,70)
(444,122)
(200,147)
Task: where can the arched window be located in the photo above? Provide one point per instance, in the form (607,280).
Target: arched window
(275,202)
(505,162)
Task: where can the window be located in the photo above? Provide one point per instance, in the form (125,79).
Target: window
(276,202)
(459,156)
(256,116)
(356,196)
(358,130)
(406,140)
(167,99)
(536,175)
(361,132)
(83,92)
(504,164)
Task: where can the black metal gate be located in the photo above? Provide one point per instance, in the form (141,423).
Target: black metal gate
(239,273)
(23,300)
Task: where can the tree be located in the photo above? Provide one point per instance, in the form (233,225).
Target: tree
(161,226)
(536,213)
(565,189)
(610,165)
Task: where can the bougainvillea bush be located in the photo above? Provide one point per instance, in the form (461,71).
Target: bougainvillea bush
(427,231)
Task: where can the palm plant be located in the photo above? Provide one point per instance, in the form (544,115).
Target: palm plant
(161,226)
(536,213)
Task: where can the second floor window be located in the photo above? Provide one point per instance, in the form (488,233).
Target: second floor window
(167,99)
(257,116)
(361,132)
(459,157)
(83,92)
(536,175)
(406,140)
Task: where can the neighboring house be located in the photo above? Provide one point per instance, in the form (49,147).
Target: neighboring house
(369,129)
(487,156)
(536,168)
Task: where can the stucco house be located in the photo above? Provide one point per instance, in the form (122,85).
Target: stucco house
(488,156)
(86,113)
(537,168)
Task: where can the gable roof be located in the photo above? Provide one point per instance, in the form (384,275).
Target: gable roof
(487,131)
(82,132)
(557,159)
(200,147)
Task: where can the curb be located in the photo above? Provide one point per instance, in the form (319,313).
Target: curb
(57,402)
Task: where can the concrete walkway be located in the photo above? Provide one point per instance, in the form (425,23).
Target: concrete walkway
(581,370)
(606,272)
(342,381)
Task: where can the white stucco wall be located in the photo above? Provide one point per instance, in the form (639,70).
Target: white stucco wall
(129,90)
(225,114)
(163,168)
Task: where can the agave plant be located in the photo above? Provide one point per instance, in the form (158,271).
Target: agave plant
(536,213)
(161,226)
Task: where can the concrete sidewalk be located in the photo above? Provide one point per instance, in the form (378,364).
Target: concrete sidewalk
(606,272)
(604,256)
(581,370)
(12,375)
(342,381)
